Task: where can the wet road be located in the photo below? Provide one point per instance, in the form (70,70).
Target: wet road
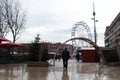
(76,71)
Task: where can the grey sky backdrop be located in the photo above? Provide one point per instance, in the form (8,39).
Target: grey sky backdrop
(54,19)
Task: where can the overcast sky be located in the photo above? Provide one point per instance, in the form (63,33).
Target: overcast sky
(54,19)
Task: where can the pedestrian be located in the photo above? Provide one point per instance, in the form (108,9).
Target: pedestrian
(65,57)
(59,57)
(78,56)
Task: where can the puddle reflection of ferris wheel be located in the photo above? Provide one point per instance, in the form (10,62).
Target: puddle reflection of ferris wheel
(81,29)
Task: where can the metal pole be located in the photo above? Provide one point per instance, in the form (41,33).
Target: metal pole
(95,34)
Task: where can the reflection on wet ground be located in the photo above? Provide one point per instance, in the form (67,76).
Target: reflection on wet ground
(76,71)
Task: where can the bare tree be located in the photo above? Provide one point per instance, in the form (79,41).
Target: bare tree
(14,16)
(3,26)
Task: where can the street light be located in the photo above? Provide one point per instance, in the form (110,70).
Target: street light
(94,19)
(95,33)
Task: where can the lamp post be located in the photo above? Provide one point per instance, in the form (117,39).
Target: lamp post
(95,33)
(94,19)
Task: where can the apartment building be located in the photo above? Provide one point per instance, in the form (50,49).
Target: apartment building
(112,35)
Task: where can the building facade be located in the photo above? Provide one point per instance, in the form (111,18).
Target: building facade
(53,48)
(58,47)
(112,35)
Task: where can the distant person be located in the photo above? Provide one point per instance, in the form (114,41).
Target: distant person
(65,57)
(59,56)
(77,57)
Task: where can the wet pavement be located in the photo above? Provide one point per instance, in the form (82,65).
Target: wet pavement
(76,71)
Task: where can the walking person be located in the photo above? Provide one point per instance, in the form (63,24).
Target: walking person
(78,57)
(59,56)
(65,57)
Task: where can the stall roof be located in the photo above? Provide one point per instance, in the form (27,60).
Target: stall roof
(5,45)
(3,39)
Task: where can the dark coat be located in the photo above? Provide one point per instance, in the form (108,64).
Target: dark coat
(65,55)
(77,56)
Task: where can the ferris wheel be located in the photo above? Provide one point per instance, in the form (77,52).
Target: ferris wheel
(81,29)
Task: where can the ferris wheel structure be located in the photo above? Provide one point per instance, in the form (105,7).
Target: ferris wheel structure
(81,29)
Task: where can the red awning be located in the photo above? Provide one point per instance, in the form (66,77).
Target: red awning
(5,45)
(3,39)
(8,43)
